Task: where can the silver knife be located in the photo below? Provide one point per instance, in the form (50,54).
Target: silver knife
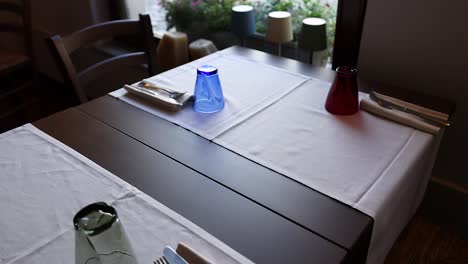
(172,257)
(389,105)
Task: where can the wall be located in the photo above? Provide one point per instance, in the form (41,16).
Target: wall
(60,16)
(423,45)
(52,17)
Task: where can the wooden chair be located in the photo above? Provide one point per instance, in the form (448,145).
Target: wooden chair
(11,61)
(62,48)
(17,70)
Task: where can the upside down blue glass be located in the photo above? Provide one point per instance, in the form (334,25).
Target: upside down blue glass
(208,95)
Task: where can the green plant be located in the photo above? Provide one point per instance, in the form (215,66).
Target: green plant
(217,14)
(180,13)
(198,15)
(315,8)
(299,10)
(201,16)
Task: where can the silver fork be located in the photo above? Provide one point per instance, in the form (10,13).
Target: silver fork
(161,260)
(171,93)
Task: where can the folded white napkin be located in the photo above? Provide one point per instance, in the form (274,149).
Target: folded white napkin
(165,83)
(401,117)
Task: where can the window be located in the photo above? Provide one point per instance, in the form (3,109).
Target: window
(343,46)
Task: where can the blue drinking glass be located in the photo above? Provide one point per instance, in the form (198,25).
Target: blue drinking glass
(208,95)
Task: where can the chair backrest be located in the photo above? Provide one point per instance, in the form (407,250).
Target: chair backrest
(22,10)
(62,48)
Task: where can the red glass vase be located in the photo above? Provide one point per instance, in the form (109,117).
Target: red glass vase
(342,98)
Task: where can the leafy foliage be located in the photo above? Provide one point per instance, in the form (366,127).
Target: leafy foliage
(201,16)
(299,10)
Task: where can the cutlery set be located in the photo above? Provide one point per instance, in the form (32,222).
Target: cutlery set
(152,87)
(397,107)
(169,98)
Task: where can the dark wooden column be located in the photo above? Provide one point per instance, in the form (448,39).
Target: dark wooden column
(349,24)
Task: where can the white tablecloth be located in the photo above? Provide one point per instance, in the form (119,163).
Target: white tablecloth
(248,87)
(44,183)
(375,165)
(372,164)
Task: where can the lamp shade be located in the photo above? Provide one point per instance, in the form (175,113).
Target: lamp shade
(242,20)
(313,34)
(279,27)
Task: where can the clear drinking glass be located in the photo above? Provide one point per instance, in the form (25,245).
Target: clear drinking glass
(208,95)
(100,237)
(342,98)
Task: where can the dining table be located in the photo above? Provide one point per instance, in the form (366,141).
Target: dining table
(229,186)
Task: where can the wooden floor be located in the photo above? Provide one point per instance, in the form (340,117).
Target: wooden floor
(425,242)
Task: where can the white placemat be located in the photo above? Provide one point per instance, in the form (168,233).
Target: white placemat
(248,87)
(375,165)
(44,183)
